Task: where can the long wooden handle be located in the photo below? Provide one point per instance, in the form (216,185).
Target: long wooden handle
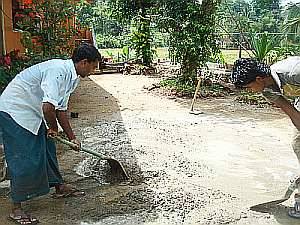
(195,94)
(73,145)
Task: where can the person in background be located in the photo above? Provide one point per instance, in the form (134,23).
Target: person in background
(30,107)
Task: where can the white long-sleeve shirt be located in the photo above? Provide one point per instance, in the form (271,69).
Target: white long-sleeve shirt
(51,81)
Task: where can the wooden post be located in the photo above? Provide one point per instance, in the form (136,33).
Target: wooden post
(195,94)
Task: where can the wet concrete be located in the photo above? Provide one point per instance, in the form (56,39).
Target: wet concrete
(184,169)
(210,168)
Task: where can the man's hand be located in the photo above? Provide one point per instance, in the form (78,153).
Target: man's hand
(52,133)
(77,145)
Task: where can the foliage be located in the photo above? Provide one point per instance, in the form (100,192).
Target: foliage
(262,5)
(112,29)
(256,16)
(266,15)
(218,58)
(51,29)
(266,22)
(176,87)
(110,54)
(160,39)
(111,41)
(192,33)
(110,33)
(282,52)
(294,25)
(85,13)
(125,55)
(253,20)
(162,53)
(141,40)
(137,14)
(126,10)
(262,45)
(292,19)
(231,11)
(5,77)
(10,65)
(252,99)
(179,87)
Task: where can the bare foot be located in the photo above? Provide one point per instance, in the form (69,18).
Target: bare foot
(65,191)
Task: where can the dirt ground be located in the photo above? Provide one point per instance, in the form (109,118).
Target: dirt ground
(184,168)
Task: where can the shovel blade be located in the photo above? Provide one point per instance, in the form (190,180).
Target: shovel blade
(196,112)
(117,170)
(266,205)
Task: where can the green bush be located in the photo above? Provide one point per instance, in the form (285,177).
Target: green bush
(176,85)
(5,77)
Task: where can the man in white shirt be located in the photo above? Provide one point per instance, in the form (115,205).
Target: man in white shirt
(275,82)
(35,97)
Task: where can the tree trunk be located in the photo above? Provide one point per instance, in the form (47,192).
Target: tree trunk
(188,72)
(144,28)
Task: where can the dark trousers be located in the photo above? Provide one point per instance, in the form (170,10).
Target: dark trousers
(31,160)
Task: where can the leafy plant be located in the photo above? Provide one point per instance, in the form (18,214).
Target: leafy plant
(262,45)
(141,40)
(252,99)
(292,18)
(178,87)
(282,52)
(125,53)
(51,30)
(208,89)
(136,13)
(110,41)
(5,77)
(110,54)
(191,25)
(85,13)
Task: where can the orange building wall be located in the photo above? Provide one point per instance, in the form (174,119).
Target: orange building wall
(12,38)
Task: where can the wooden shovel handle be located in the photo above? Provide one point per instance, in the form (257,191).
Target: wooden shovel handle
(73,145)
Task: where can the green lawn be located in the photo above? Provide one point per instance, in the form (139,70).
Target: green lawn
(231,55)
(162,53)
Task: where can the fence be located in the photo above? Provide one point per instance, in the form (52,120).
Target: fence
(236,40)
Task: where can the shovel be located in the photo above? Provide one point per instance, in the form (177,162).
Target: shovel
(116,167)
(265,205)
(291,188)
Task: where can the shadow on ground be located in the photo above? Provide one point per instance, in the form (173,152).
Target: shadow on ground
(280,213)
(100,127)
